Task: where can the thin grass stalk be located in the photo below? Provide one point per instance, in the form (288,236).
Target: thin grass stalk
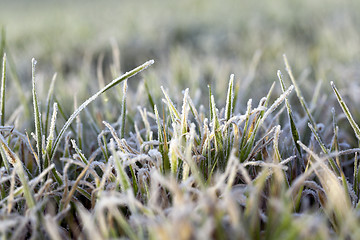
(123,111)
(356,175)
(229,106)
(2,92)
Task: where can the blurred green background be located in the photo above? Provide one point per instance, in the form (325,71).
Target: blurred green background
(193,43)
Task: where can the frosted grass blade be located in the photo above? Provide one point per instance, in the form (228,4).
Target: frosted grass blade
(346,111)
(123,111)
(92,98)
(37,117)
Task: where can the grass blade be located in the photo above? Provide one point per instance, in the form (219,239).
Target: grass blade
(230,99)
(294,131)
(51,137)
(123,111)
(37,117)
(346,111)
(2,92)
(92,98)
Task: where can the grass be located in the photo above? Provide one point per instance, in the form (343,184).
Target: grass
(180,147)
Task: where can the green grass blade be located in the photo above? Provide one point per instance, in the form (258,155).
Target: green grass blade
(294,131)
(51,136)
(150,98)
(229,107)
(92,98)
(3,41)
(346,111)
(2,92)
(37,117)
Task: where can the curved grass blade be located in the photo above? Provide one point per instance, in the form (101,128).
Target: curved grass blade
(92,98)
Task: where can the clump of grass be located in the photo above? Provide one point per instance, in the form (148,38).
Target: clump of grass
(186,173)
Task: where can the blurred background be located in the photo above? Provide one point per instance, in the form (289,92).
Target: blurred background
(193,42)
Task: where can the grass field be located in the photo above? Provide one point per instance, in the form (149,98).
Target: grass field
(180,120)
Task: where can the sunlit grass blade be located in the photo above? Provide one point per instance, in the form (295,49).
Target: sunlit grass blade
(346,111)
(92,98)
(172,109)
(2,92)
(37,117)
(51,136)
